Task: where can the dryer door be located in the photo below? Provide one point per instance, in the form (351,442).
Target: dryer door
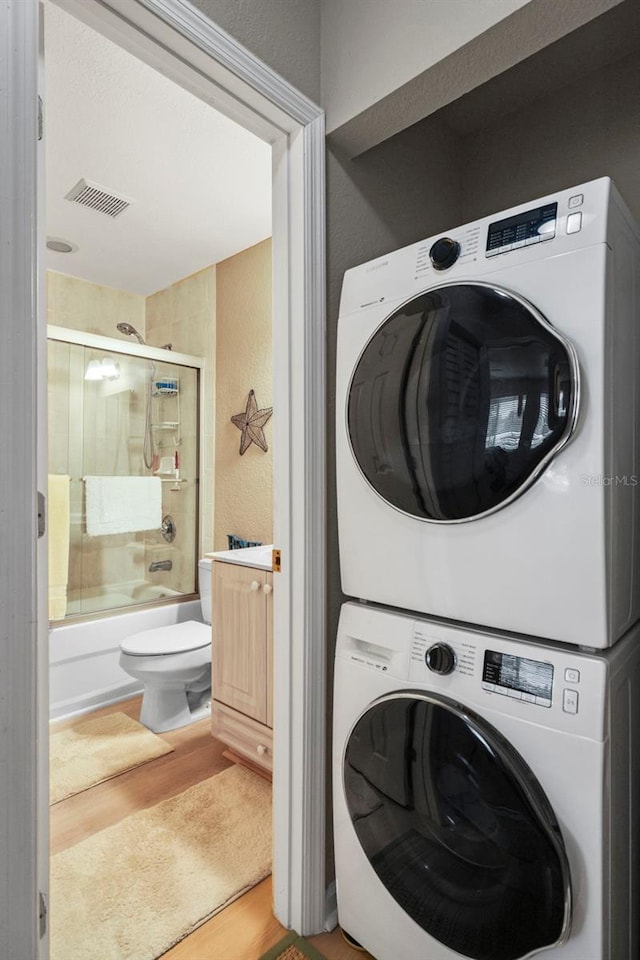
(459,400)
(457,828)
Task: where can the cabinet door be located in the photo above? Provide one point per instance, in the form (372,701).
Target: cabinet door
(239,639)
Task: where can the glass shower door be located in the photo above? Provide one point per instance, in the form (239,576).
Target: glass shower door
(124,430)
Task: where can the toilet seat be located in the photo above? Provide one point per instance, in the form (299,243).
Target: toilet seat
(164,641)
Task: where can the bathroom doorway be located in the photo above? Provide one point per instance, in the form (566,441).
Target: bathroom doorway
(170,35)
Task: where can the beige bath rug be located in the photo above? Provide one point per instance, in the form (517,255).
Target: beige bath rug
(133,890)
(95,750)
(292,947)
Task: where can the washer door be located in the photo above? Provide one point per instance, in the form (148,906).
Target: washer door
(457,828)
(459,400)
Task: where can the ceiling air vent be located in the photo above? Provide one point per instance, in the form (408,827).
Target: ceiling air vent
(97,198)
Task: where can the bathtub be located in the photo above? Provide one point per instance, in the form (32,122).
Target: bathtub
(96,599)
(83,657)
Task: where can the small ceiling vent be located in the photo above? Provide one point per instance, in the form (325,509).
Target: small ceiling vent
(97,198)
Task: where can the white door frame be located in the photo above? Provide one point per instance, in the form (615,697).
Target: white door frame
(23,700)
(175,38)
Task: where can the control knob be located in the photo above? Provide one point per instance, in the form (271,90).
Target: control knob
(440,658)
(444,253)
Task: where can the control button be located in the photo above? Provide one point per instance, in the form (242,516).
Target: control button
(530,240)
(576,200)
(570,701)
(572,676)
(574,222)
(494,252)
(444,253)
(489,686)
(515,694)
(440,658)
(517,244)
(529,697)
(543,702)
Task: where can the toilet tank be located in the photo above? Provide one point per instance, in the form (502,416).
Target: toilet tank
(204,587)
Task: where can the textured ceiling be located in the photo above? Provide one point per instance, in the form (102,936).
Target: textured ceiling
(200,184)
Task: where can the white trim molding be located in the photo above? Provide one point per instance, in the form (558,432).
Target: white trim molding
(21,874)
(228,53)
(300,666)
(186,46)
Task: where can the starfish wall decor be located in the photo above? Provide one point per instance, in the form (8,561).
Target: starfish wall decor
(251,424)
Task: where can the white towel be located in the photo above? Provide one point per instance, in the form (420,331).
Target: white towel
(122,504)
(58,533)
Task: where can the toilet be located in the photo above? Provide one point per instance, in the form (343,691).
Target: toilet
(174,663)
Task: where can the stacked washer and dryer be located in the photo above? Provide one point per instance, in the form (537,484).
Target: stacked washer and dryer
(487,677)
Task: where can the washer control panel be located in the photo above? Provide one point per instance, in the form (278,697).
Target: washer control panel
(494,674)
(429,654)
(529,679)
(518,677)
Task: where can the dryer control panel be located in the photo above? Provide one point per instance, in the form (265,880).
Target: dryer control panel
(574,218)
(522,230)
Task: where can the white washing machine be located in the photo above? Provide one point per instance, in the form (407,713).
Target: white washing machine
(488,416)
(485,792)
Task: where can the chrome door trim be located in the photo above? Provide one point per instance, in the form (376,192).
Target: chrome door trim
(544,463)
(496,743)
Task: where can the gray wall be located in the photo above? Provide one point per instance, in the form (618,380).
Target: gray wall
(585,130)
(370,48)
(488,53)
(285,34)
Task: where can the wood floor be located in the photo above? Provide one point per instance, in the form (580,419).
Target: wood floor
(246,928)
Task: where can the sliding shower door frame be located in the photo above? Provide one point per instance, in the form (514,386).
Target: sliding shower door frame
(185,46)
(150,357)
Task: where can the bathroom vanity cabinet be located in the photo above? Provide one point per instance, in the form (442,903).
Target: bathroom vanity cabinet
(242,655)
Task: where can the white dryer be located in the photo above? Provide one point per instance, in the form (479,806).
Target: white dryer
(488,416)
(485,792)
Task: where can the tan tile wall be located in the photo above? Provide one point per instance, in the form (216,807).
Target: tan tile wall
(243,484)
(185,315)
(90,307)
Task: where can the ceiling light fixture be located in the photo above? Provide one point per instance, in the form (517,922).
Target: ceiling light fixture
(58,245)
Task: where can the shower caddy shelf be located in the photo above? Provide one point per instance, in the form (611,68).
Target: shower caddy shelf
(169,429)
(167,426)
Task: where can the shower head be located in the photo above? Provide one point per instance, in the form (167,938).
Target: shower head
(130,331)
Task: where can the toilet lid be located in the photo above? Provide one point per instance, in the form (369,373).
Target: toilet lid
(177,638)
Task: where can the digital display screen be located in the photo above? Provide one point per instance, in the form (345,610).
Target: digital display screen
(531,677)
(533,226)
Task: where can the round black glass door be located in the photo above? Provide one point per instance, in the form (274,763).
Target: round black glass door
(457,828)
(458,401)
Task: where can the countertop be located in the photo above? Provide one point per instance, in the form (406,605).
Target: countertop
(258,557)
